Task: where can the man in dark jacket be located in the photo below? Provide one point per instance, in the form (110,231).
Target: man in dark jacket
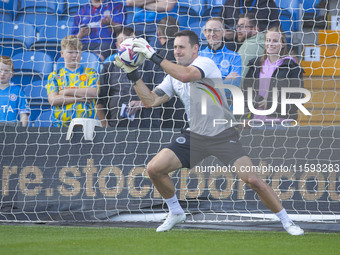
(116,91)
(173,114)
(265,11)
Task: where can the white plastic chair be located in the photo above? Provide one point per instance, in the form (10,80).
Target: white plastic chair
(88,127)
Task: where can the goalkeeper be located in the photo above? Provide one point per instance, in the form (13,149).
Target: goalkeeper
(191,77)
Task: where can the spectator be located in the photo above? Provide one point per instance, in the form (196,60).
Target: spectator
(251,38)
(230,39)
(96,24)
(229,62)
(12,98)
(116,90)
(146,15)
(72,90)
(173,115)
(275,69)
(265,11)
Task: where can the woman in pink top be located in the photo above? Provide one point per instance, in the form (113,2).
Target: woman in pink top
(274,69)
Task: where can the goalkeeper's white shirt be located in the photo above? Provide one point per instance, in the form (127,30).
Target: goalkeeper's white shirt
(192,94)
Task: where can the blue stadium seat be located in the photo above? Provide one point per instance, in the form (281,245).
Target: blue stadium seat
(88,59)
(50,38)
(15,38)
(190,16)
(128,14)
(38,19)
(212,8)
(311,8)
(43,119)
(54,34)
(36,94)
(10,7)
(69,20)
(30,66)
(71,10)
(194,6)
(5,17)
(198,27)
(72,6)
(188,13)
(42,6)
(61,6)
(36,91)
(289,16)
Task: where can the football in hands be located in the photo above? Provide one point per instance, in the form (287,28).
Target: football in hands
(127,54)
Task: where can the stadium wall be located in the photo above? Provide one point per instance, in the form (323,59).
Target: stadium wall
(45,177)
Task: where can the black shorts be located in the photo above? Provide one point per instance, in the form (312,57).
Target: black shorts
(191,148)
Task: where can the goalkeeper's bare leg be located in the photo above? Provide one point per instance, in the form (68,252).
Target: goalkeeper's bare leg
(158,169)
(267,195)
(166,161)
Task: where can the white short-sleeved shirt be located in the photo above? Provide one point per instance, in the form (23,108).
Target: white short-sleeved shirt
(202,116)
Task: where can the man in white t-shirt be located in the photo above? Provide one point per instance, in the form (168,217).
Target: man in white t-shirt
(191,79)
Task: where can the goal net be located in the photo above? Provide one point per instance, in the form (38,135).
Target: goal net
(48,173)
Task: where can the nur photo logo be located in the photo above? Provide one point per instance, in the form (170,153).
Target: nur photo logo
(212,93)
(239,100)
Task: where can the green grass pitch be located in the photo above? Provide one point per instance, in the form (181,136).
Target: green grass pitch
(17,239)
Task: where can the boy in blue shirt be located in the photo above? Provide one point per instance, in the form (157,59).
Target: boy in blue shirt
(13,104)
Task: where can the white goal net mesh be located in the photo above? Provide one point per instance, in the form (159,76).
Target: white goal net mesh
(47,176)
